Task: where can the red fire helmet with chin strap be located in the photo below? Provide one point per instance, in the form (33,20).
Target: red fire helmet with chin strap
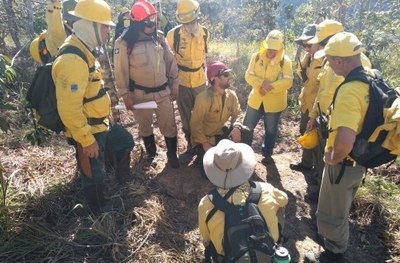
(141,10)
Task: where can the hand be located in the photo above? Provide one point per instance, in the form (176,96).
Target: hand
(92,151)
(128,101)
(267,86)
(174,93)
(262,91)
(207,146)
(310,124)
(235,135)
(328,157)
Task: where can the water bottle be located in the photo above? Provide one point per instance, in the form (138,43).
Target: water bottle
(281,255)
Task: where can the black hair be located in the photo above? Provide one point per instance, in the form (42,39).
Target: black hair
(325,41)
(132,34)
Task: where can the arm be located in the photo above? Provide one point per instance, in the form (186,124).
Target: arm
(121,72)
(199,112)
(254,81)
(342,146)
(55,34)
(71,74)
(172,69)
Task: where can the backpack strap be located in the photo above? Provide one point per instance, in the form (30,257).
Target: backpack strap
(76,51)
(255,192)
(214,195)
(177,39)
(205,38)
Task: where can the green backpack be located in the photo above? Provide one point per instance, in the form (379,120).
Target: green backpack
(41,95)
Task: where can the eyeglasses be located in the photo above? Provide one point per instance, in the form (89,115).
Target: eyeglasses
(307,45)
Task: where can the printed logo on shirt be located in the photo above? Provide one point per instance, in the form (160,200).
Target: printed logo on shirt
(74,87)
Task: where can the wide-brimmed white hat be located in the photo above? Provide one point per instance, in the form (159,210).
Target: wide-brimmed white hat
(229,164)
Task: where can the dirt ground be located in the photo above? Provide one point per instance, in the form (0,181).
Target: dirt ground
(157,221)
(187,187)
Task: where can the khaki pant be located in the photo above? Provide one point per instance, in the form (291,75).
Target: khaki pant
(334,205)
(164,112)
(185,102)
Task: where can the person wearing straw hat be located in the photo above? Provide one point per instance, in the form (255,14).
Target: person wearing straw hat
(307,70)
(343,52)
(270,75)
(212,109)
(230,165)
(84,105)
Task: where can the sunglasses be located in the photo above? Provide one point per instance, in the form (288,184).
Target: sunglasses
(225,74)
(307,45)
(149,24)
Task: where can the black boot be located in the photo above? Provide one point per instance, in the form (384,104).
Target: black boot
(94,195)
(171,151)
(123,169)
(189,148)
(150,145)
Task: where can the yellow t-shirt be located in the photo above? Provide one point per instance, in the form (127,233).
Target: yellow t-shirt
(349,111)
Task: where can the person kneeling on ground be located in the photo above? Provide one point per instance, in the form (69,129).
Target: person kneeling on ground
(229,166)
(213,108)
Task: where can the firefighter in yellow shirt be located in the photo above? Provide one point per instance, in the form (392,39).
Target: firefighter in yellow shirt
(308,69)
(213,108)
(47,44)
(84,105)
(189,43)
(270,75)
(343,52)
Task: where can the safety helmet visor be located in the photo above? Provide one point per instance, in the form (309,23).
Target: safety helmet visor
(188,16)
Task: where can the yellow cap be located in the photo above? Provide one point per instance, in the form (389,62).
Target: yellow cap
(274,40)
(326,29)
(343,44)
(309,140)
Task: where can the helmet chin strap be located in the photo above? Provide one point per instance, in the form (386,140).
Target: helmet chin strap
(98,50)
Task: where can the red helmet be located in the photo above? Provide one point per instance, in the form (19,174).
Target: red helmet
(215,69)
(141,10)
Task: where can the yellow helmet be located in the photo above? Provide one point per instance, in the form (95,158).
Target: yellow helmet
(38,49)
(309,140)
(94,10)
(187,11)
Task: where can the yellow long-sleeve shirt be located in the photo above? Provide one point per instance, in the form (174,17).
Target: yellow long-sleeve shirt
(270,201)
(310,89)
(55,33)
(74,83)
(328,83)
(210,113)
(261,68)
(191,54)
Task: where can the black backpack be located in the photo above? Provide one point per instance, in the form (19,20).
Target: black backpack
(41,95)
(381,96)
(246,235)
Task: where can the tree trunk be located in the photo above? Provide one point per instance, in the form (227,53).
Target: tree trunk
(12,25)
(29,18)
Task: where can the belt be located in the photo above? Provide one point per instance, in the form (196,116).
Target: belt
(133,86)
(186,69)
(96,121)
(348,162)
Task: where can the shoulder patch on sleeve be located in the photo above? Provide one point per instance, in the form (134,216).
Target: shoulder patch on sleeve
(74,87)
